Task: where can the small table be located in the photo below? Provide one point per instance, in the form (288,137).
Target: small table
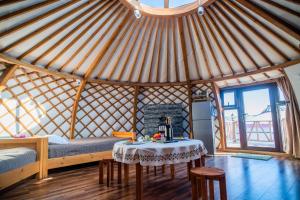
(156,154)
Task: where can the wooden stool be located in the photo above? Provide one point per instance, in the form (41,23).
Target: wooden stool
(110,171)
(201,175)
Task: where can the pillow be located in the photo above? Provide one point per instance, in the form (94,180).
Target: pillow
(56,139)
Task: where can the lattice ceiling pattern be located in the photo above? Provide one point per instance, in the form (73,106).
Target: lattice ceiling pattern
(36,104)
(103,109)
(103,40)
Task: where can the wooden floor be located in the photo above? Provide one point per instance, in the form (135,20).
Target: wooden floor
(246,179)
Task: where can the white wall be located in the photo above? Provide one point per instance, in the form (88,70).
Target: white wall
(293,74)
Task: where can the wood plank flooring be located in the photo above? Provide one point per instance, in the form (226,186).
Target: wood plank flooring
(246,180)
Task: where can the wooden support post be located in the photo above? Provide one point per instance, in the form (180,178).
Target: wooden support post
(190,110)
(75,106)
(216,92)
(135,107)
(6,74)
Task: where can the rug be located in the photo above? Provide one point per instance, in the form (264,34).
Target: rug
(253,156)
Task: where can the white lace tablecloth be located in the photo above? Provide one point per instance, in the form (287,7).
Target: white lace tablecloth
(157,154)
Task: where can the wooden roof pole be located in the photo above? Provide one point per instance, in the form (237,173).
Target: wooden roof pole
(140,71)
(135,107)
(201,44)
(249,73)
(157,58)
(197,64)
(36,68)
(115,46)
(154,32)
(216,92)
(27,9)
(175,51)
(105,47)
(36,19)
(136,26)
(229,8)
(58,31)
(187,74)
(156,43)
(75,107)
(88,74)
(270,18)
(193,82)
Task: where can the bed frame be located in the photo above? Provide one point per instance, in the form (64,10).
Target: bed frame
(13,176)
(53,163)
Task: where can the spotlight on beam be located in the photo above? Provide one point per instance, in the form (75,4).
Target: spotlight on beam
(201,10)
(137,13)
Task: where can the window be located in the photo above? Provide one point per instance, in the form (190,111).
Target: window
(229,99)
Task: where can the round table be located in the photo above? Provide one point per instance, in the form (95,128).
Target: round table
(156,154)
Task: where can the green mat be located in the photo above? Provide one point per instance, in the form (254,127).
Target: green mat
(252,156)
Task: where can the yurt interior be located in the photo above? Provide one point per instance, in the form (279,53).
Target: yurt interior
(149,99)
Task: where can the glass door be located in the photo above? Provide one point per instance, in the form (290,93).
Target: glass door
(259,121)
(250,118)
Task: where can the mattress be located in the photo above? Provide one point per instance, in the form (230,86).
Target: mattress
(82,146)
(15,158)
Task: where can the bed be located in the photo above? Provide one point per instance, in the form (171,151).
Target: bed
(20,159)
(80,151)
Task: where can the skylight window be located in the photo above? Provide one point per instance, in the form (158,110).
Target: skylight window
(166,3)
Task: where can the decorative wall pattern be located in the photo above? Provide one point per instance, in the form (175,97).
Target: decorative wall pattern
(103,109)
(163,95)
(39,104)
(36,104)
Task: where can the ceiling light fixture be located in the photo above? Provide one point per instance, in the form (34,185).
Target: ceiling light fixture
(137,12)
(201,10)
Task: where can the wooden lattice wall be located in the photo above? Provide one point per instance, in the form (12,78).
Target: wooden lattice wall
(162,95)
(103,109)
(36,104)
(175,94)
(39,104)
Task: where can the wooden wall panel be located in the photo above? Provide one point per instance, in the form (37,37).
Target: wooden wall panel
(103,109)
(36,104)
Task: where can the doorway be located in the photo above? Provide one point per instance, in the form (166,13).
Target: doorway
(251,117)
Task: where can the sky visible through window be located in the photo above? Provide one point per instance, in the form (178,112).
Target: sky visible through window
(160,3)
